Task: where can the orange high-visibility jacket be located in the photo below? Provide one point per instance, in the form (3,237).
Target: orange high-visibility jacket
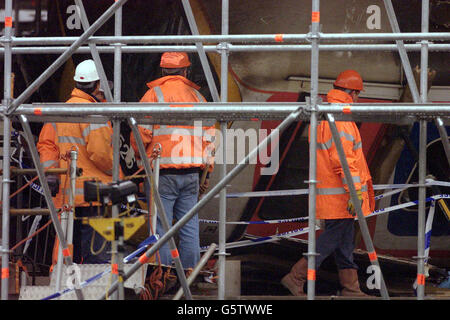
(332,189)
(182,146)
(93,142)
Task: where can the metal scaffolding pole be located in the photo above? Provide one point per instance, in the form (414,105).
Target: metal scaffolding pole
(48,198)
(402,51)
(117,246)
(67,219)
(219,186)
(315,29)
(223,172)
(247,38)
(408,70)
(361,219)
(150,176)
(6,151)
(116,257)
(231,48)
(73,179)
(63,58)
(201,52)
(163,113)
(422,157)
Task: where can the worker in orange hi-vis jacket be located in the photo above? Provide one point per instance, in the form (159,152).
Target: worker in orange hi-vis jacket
(93,142)
(333,204)
(185,152)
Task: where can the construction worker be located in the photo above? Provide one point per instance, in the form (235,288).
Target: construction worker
(93,142)
(184,155)
(333,204)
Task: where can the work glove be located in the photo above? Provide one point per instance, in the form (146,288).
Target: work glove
(350,207)
(53,184)
(203,187)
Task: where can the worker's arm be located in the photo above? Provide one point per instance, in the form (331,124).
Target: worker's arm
(146,136)
(98,138)
(49,154)
(47,147)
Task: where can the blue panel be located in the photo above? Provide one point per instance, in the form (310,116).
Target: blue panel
(403,222)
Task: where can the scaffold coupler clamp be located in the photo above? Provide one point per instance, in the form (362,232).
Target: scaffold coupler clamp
(224,46)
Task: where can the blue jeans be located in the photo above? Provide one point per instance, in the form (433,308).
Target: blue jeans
(337,238)
(179,194)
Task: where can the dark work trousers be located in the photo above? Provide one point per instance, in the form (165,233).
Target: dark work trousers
(337,238)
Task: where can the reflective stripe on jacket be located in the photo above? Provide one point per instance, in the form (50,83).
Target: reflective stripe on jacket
(93,143)
(182,146)
(332,188)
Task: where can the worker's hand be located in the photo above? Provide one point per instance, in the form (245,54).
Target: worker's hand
(350,207)
(203,187)
(53,184)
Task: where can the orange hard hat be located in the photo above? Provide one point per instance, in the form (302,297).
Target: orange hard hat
(349,79)
(174,60)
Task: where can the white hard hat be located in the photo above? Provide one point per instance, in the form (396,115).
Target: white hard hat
(86,72)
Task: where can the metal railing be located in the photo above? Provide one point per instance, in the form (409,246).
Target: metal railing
(221,111)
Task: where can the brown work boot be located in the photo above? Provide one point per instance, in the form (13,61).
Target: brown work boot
(349,281)
(295,279)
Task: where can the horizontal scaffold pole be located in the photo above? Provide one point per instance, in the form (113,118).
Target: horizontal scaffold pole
(157,112)
(231,48)
(245,38)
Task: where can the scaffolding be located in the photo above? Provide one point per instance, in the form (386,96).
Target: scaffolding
(222,111)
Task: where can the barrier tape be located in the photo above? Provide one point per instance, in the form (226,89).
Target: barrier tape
(113,269)
(82,285)
(374,213)
(260,240)
(301,231)
(258,222)
(296,192)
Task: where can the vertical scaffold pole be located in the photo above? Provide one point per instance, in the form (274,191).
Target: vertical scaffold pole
(223,128)
(422,157)
(116,255)
(361,219)
(73,180)
(6,150)
(410,77)
(315,29)
(117,247)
